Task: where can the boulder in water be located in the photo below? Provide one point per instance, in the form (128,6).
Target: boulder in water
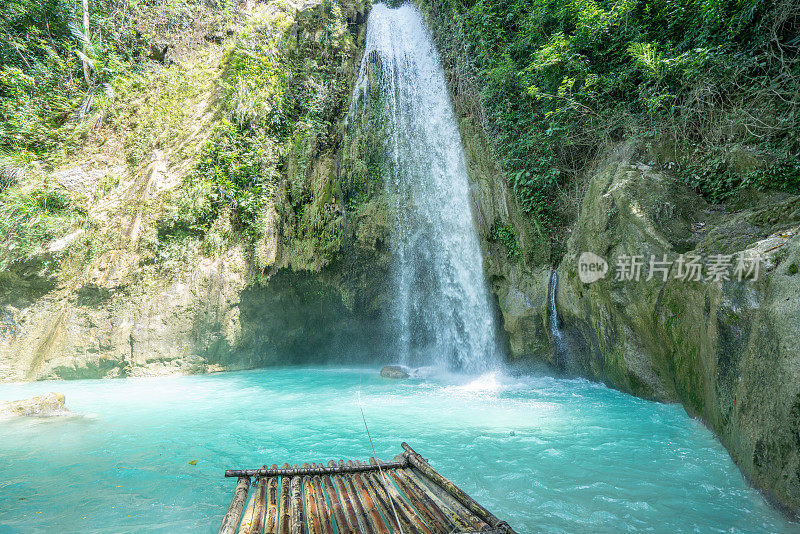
(47,405)
(395,372)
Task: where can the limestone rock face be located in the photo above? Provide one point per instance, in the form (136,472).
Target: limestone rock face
(522,301)
(728,350)
(102,302)
(48,405)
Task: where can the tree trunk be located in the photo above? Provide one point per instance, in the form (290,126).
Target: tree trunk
(86,33)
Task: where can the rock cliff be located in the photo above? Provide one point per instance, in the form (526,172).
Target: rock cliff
(128,288)
(727,349)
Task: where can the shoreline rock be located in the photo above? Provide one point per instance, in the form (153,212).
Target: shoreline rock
(48,405)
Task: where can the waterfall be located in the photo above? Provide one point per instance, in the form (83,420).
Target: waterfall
(555,326)
(556,333)
(441,310)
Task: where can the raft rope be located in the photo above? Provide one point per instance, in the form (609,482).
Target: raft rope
(375,455)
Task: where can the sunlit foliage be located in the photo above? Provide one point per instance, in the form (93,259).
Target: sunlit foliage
(709,87)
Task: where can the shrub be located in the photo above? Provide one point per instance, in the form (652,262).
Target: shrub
(283,97)
(32,215)
(508,238)
(562,78)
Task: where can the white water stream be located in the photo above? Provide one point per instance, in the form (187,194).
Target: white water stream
(441,308)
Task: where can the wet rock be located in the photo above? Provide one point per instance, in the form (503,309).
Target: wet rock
(49,405)
(522,300)
(728,350)
(395,372)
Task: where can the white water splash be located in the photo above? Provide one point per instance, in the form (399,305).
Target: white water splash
(442,310)
(486,383)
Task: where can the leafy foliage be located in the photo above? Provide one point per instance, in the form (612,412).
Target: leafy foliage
(506,236)
(41,53)
(365,154)
(700,82)
(48,103)
(45,46)
(31,216)
(285,89)
(235,173)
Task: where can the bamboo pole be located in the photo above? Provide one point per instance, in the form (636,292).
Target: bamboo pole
(404,510)
(322,505)
(473,506)
(234,514)
(446,502)
(394,509)
(319,470)
(343,525)
(271,521)
(392,514)
(298,525)
(371,511)
(312,514)
(352,506)
(256,525)
(249,515)
(285,517)
(380,502)
(424,504)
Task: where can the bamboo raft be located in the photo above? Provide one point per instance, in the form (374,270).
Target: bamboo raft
(405,495)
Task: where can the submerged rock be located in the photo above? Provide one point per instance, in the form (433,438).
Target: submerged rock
(49,405)
(395,372)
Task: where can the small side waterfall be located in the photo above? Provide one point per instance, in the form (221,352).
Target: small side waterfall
(556,333)
(555,325)
(441,307)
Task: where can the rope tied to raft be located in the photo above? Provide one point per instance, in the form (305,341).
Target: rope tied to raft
(375,455)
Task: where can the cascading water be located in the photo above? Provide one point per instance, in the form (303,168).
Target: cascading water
(556,334)
(442,310)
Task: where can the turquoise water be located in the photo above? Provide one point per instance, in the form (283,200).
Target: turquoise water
(545,454)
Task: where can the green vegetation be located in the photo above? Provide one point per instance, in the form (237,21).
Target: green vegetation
(154,106)
(365,158)
(238,167)
(52,68)
(508,238)
(31,216)
(232,174)
(42,84)
(65,90)
(710,88)
(285,87)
